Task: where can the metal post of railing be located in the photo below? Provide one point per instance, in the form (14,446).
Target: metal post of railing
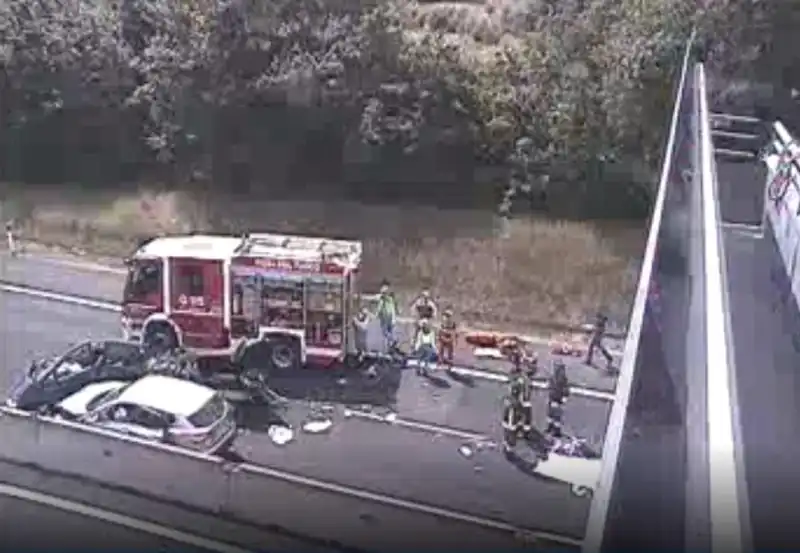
(599,512)
(727,505)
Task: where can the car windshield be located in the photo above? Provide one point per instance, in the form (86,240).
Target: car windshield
(39,369)
(105,397)
(123,352)
(211,411)
(83,354)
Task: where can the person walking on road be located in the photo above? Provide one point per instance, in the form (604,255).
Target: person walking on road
(387,316)
(11,239)
(558,392)
(360,333)
(424,307)
(425,347)
(596,341)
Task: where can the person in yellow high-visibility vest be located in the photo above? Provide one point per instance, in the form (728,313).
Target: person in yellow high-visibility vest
(424,347)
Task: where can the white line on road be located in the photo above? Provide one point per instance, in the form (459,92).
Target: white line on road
(502,378)
(415,425)
(63,298)
(118,519)
(462,371)
(722,152)
(733,117)
(730,134)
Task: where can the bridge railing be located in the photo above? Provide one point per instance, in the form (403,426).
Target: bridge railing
(669,478)
(601,519)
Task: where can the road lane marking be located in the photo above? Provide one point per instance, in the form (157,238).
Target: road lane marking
(118,519)
(58,297)
(578,391)
(100,305)
(416,425)
(80,265)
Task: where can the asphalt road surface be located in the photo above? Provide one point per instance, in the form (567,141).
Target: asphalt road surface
(418,463)
(766,330)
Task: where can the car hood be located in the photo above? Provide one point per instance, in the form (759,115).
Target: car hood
(77,402)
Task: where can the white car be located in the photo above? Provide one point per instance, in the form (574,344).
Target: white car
(157,408)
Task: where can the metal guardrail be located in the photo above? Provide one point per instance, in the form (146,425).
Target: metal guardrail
(599,512)
(728,522)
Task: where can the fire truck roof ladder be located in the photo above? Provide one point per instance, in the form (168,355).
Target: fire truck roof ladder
(346,251)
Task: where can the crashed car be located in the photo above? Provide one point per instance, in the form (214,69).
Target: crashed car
(49,381)
(155,408)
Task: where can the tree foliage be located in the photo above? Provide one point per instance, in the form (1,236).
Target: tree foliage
(554,96)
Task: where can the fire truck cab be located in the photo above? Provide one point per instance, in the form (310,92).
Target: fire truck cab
(220,295)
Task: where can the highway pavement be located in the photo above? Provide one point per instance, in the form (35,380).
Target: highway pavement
(766,331)
(422,462)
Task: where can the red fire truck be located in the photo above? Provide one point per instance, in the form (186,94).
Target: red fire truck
(220,295)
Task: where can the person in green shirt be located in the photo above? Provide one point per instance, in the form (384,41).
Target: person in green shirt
(387,315)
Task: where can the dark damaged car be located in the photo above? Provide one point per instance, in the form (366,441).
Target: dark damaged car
(49,381)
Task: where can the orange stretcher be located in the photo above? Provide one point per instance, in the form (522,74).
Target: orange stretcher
(484,339)
(488,339)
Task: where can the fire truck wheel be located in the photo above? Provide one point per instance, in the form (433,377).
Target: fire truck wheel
(285,353)
(159,337)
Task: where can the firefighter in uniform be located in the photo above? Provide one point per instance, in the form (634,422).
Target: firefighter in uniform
(558,392)
(448,333)
(518,414)
(512,421)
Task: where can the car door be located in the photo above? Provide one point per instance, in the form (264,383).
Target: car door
(122,418)
(147,424)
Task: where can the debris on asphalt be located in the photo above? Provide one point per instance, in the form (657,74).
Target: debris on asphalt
(466,451)
(390,417)
(317,426)
(280,435)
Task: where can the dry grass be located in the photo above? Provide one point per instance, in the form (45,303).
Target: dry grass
(542,271)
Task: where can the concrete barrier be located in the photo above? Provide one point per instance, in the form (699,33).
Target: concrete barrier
(319,511)
(71,449)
